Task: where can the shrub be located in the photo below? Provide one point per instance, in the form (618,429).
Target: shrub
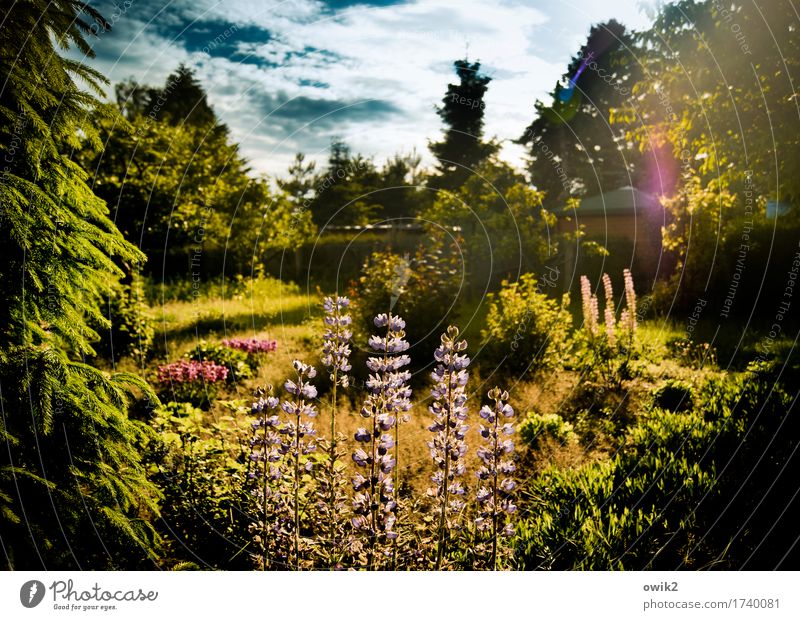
(422,288)
(251,345)
(201,472)
(132,331)
(686,491)
(239,364)
(537,427)
(674,396)
(525,329)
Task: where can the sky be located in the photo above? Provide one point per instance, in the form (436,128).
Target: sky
(290,76)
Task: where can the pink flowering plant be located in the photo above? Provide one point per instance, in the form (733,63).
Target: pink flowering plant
(608,340)
(190,381)
(251,345)
(253,350)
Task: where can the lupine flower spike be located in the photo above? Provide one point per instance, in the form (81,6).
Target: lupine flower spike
(336,358)
(495,495)
(608,311)
(630,302)
(389,396)
(448,446)
(589,304)
(265,470)
(300,435)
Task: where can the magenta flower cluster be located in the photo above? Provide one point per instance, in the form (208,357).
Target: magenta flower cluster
(251,345)
(188,371)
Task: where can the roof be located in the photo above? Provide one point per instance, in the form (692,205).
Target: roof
(625,200)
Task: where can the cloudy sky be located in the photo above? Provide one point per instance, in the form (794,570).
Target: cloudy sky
(288,76)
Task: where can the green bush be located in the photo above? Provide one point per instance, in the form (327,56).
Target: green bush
(240,365)
(674,396)
(686,491)
(201,470)
(132,329)
(525,329)
(422,289)
(537,427)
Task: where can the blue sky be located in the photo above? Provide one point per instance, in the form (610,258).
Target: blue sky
(288,76)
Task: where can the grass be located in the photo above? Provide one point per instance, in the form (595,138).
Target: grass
(268,308)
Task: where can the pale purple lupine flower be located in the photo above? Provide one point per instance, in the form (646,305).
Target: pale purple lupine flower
(630,302)
(299,436)
(495,495)
(331,482)
(266,471)
(389,397)
(336,339)
(448,446)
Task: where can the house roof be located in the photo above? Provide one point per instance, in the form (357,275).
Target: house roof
(625,200)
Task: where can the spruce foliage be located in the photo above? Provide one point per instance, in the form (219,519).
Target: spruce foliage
(73,491)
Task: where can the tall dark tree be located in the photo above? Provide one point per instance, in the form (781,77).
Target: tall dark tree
(73,491)
(182,100)
(574,148)
(463,148)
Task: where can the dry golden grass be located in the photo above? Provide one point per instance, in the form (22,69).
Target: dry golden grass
(270,309)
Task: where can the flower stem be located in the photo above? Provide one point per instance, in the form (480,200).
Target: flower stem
(297,490)
(266,479)
(445,480)
(332,464)
(494,490)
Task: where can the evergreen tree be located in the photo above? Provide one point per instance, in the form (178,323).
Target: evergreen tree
(182,100)
(73,491)
(344,193)
(574,149)
(179,188)
(463,148)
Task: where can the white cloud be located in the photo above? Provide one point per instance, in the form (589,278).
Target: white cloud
(401,54)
